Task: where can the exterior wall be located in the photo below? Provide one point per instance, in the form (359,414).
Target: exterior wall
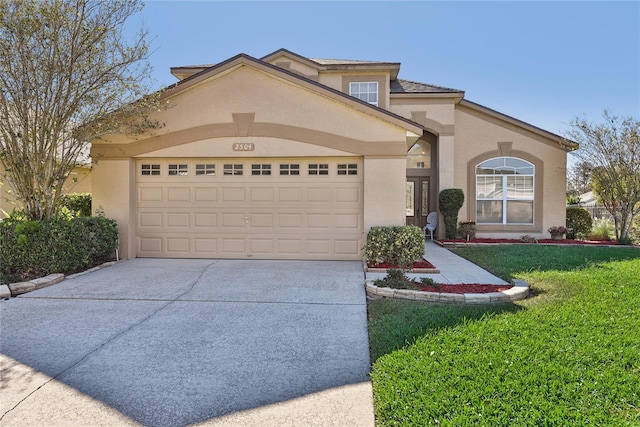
(479,137)
(79,181)
(384,191)
(295,66)
(113,193)
(281,119)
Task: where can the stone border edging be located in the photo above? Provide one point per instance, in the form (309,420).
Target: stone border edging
(19,288)
(475,244)
(520,290)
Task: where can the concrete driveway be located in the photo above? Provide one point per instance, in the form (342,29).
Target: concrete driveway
(181,342)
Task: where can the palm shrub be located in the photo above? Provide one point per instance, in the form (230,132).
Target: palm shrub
(579,222)
(450,201)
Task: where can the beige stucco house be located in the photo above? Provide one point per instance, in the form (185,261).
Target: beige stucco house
(79,181)
(287,157)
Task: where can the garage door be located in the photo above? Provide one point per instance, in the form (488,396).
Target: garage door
(258,208)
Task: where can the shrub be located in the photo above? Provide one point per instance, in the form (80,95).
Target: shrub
(601,230)
(35,248)
(400,245)
(395,279)
(467,229)
(451,200)
(79,204)
(579,222)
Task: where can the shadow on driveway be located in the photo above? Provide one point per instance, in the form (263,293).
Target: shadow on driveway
(177,342)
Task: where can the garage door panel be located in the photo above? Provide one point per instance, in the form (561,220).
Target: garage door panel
(178,245)
(179,220)
(233,194)
(178,194)
(205,220)
(206,194)
(270,217)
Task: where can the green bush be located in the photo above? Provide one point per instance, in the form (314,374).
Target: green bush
(579,222)
(36,248)
(401,245)
(451,200)
(79,204)
(602,230)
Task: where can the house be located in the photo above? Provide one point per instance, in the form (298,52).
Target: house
(287,157)
(79,181)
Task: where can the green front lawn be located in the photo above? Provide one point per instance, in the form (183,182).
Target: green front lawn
(568,356)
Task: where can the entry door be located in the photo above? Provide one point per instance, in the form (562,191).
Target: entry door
(417,201)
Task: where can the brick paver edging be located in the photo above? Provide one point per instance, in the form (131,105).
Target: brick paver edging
(520,290)
(19,288)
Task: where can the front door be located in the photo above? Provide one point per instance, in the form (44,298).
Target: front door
(417,201)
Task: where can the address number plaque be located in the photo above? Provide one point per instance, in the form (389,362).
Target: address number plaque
(244,146)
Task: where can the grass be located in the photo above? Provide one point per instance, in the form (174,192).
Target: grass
(568,356)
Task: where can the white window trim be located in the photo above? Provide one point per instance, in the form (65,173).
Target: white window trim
(505,197)
(357,93)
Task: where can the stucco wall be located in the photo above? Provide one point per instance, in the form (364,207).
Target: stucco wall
(113,193)
(79,181)
(384,191)
(479,134)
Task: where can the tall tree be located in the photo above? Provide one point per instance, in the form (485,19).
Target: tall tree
(612,148)
(579,178)
(65,68)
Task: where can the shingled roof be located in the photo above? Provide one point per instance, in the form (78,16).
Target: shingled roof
(408,86)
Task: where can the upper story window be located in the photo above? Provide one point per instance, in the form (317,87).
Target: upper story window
(366,91)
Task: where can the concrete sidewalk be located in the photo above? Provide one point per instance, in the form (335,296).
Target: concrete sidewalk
(453,269)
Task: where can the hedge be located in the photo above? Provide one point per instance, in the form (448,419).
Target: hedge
(579,222)
(79,204)
(36,248)
(398,245)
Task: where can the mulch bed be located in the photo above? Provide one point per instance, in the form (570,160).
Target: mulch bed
(465,288)
(386,265)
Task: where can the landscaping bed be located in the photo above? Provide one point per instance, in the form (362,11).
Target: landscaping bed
(481,241)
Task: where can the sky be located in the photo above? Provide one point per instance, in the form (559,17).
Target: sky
(543,62)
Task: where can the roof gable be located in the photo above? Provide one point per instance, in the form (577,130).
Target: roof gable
(240,60)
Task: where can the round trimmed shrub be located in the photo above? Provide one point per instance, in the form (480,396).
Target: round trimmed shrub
(579,222)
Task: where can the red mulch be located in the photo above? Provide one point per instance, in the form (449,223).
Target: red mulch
(417,264)
(466,288)
(563,241)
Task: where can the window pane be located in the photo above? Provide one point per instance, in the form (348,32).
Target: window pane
(419,156)
(489,211)
(519,212)
(489,187)
(410,196)
(520,187)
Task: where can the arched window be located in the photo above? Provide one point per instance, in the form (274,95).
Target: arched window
(419,156)
(505,191)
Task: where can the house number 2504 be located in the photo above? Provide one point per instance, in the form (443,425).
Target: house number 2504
(243,147)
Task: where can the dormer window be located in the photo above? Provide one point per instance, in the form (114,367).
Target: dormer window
(366,91)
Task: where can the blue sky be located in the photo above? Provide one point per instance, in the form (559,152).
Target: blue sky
(541,62)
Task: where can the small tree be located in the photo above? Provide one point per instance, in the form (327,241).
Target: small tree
(65,63)
(450,201)
(612,148)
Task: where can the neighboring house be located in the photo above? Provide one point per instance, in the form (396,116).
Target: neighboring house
(79,181)
(290,157)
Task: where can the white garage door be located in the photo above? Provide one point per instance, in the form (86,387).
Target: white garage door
(258,208)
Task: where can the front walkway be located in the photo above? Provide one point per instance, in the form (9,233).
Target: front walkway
(453,269)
